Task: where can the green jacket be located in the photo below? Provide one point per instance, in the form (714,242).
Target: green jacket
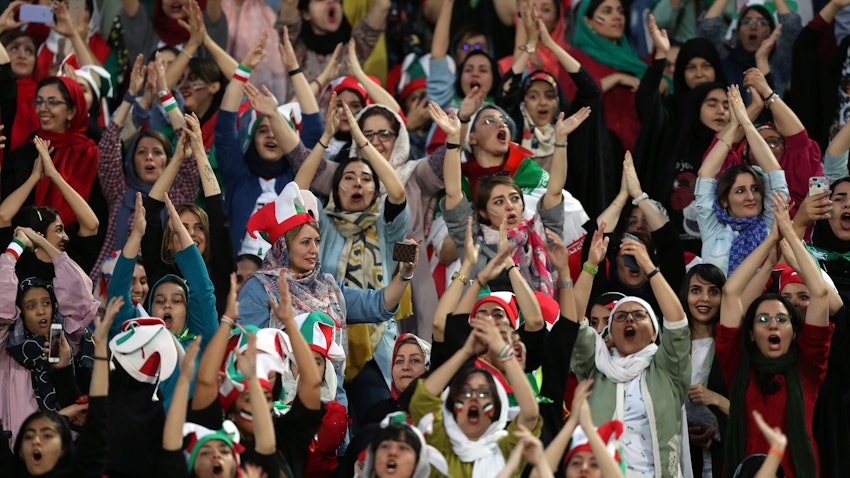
(664,385)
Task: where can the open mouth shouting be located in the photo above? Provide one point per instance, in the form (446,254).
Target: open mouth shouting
(332,15)
(473,84)
(168,320)
(845,221)
(774,342)
(36,457)
(629,332)
(217,469)
(473,414)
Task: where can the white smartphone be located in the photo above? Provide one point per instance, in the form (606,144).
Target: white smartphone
(54,343)
(36,13)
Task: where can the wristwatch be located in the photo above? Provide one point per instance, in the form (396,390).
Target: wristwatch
(529,48)
(460,277)
(162,94)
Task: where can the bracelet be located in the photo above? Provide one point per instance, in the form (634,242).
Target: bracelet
(771,99)
(229,321)
(765,98)
(592,270)
(508,271)
(16,248)
(774,451)
(561,145)
(460,277)
(129,98)
(452,146)
(295,71)
(363,146)
(319,142)
(101,358)
(464,121)
(565,284)
(318,85)
(242,73)
(721,140)
(652,274)
(406,279)
(168,102)
(187,55)
(643,196)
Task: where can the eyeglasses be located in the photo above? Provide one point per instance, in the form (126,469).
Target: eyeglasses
(471,46)
(775,142)
(754,21)
(763,320)
(383,134)
(49,102)
(475,392)
(493,119)
(637,315)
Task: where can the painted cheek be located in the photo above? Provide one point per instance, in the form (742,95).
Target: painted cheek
(492,212)
(371,188)
(342,186)
(488,409)
(459,406)
(600,20)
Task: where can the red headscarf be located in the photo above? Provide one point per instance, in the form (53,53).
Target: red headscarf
(75,157)
(169,30)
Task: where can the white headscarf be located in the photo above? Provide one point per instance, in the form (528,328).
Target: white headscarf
(621,369)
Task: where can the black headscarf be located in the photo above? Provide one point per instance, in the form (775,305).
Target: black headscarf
(694,48)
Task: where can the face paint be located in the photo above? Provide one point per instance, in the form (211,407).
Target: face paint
(600,20)
(488,409)
(246,415)
(459,406)
(199,85)
(370,188)
(342,186)
(492,212)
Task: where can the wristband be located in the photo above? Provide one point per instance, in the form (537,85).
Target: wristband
(640,198)
(508,272)
(654,271)
(363,146)
(561,145)
(187,55)
(129,98)
(771,99)
(319,142)
(242,73)
(229,321)
(505,354)
(295,71)
(406,279)
(168,102)
(464,121)
(774,451)
(765,98)
(592,270)
(16,248)
(452,146)
(565,284)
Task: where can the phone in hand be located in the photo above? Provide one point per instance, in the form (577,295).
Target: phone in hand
(404,252)
(629,260)
(818,185)
(36,13)
(54,343)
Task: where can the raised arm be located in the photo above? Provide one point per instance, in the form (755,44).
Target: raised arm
(375,91)
(137,77)
(304,93)
(13,202)
(261,415)
(194,24)
(787,122)
(196,141)
(668,301)
(758,147)
(327,75)
(716,9)
(386,173)
(163,183)
(558,174)
(232,98)
(206,380)
(453,292)
(732,305)
(441,39)
(439,379)
(452,175)
(309,380)
(611,215)
(100,373)
(584,283)
(560,257)
(570,64)
(183,236)
(777,441)
(395,289)
(526,301)
(307,172)
(265,103)
(85,216)
(172,431)
(65,26)
(654,217)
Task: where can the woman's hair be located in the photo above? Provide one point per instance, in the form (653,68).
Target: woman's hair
(460,380)
(494,71)
(63,427)
(379,111)
(152,56)
(592,6)
(11,35)
(63,90)
(291,234)
(340,170)
(396,432)
(166,254)
(208,70)
(708,273)
(485,188)
(765,381)
(832,185)
(730,175)
(38,218)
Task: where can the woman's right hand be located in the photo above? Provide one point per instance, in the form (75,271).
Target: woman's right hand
(257,52)
(193,134)
(449,123)
(598,246)
(7,19)
(194,24)
(473,347)
(137,76)
(331,70)
(558,254)
(736,105)
(779,206)
(283,308)
(102,324)
(659,38)
(356,133)
(140,223)
(332,116)
(774,436)
(470,246)
(263,102)
(814,208)
(471,103)
(630,175)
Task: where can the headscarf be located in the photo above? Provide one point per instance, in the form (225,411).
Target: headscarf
(258,166)
(752,231)
(540,139)
(619,55)
(427,455)
(170,31)
(484,452)
(128,202)
(426,352)
(695,48)
(400,155)
(75,157)
(620,369)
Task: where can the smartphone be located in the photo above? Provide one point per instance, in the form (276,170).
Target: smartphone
(404,252)
(75,7)
(54,343)
(818,185)
(36,13)
(629,260)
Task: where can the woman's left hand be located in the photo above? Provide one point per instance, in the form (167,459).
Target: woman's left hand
(356,133)
(736,105)
(779,206)
(701,395)
(565,126)
(64,25)
(43,148)
(352,63)
(449,123)
(283,308)
(630,175)
(263,102)
(287,52)
(332,116)
(558,253)
(102,324)
(64,353)
(257,52)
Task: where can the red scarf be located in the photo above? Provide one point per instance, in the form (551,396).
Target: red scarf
(169,31)
(75,157)
(26,121)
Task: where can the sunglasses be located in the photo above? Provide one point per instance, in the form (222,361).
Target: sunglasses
(383,134)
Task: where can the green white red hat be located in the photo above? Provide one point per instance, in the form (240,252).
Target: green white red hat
(146,349)
(197,435)
(290,209)
(274,346)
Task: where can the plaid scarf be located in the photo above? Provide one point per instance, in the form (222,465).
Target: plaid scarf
(530,254)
